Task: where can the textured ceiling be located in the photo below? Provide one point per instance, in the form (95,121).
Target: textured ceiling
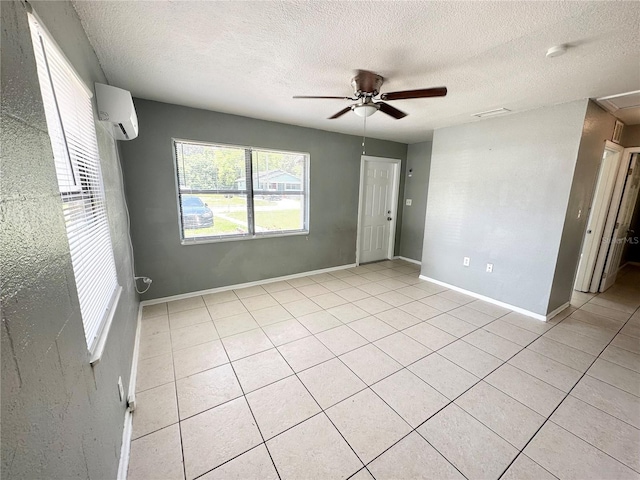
(250,58)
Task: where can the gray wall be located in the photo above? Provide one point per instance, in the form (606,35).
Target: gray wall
(61,418)
(498,193)
(151,190)
(415,188)
(598,127)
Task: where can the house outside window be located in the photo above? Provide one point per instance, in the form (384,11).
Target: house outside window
(228,192)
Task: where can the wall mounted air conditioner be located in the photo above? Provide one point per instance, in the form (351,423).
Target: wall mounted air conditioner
(115,106)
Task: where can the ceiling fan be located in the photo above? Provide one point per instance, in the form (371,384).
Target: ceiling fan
(366,87)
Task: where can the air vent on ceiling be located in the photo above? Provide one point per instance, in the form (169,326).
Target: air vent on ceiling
(491,113)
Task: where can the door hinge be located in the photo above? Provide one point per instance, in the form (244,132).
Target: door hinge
(630,171)
(617,226)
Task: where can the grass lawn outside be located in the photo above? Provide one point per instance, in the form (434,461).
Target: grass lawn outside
(220,227)
(274,219)
(219,200)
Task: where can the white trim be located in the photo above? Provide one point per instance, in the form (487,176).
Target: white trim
(244,285)
(125,449)
(410,260)
(528,313)
(555,312)
(98,350)
(397,168)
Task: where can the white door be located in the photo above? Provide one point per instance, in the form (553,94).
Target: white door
(598,215)
(622,224)
(378,197)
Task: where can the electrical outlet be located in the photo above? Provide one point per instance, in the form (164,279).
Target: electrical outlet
(120,388)
(489,267)
(466,261)
(408,202)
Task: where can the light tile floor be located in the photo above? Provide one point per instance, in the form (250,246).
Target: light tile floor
(372,373)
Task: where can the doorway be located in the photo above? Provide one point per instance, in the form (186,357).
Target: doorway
(379,185)
(611,201)
(622,221)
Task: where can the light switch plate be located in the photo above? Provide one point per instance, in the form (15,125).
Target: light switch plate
(408,202)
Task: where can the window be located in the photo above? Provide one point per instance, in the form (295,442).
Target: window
(70,123)
(227,192)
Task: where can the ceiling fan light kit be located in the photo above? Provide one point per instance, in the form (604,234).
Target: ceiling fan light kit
(365,109)
(366,91)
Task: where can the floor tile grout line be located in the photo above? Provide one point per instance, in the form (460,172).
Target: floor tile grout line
(393,409)
(303,384)
(244,396)
(611,384)
(560,403)
(476,383)
(175,389)
(231,459)
(594,446)
(434,350)
(622,348)
(322,411)
(624,366)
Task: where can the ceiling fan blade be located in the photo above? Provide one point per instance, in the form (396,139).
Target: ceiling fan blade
(389,110)
(311,96)
(341,112)
(420,93)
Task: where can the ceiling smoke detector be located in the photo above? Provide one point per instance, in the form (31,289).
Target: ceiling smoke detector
(556,51)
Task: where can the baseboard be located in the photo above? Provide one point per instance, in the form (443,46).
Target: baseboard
(555,312)
(410,260)
(125,449)
(528,313)
(637,264)
(244,285)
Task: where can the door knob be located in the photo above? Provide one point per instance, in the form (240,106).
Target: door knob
(588,231)
(389,218)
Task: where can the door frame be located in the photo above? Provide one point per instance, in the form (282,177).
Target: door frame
(612,216)
(587,261)
(602,286)
(397,164)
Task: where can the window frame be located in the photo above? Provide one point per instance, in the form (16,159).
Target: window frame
(86,187)
(250,189)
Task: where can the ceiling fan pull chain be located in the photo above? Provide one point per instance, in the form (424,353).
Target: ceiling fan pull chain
(364,134)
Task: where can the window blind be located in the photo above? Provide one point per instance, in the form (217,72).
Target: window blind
(71,127)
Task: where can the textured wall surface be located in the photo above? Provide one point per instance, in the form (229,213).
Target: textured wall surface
(498,193)
(415,188)
(631,136)
(61,418)
(151,188)
(598,127)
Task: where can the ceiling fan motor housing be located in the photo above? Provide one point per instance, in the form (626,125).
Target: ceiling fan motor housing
(366,83)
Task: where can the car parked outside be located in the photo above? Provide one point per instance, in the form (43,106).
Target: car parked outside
(195,213)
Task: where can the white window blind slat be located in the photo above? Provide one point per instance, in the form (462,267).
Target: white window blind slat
(70,123)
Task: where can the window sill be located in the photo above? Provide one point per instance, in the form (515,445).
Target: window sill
(196,241)
(98,350)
